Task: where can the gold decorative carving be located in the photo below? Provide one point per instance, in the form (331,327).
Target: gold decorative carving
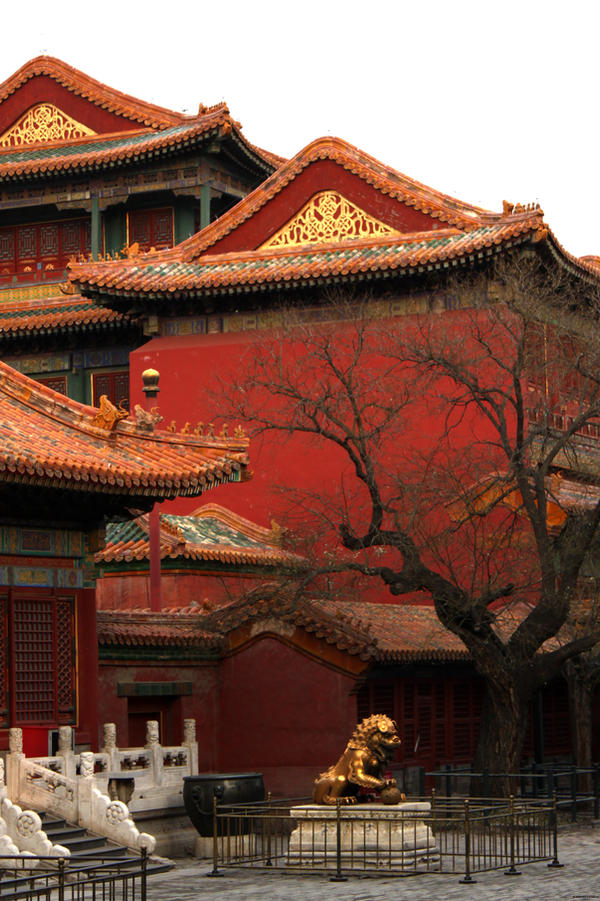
(108,415)
(43,122)
(328,216)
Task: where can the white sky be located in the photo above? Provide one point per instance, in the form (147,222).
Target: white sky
(485,101)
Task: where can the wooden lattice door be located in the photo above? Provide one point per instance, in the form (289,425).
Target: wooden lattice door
(41,627)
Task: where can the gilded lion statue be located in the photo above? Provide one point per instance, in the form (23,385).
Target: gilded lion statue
(362,765)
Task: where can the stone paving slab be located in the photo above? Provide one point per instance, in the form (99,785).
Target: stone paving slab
(578,880)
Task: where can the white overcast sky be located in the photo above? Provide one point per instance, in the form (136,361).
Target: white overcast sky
(485,101)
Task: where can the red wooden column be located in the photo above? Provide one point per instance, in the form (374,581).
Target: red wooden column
(150,379)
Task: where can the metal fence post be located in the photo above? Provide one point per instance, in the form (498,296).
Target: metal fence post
(512,870)
(61,879)
(144,874)
(215,869)
(269,862)
(554,817)
(467,880)
(338,851)
(596,778)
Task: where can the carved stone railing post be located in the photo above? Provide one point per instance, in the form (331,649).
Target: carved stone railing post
(100,814)
(189,741)
(65,750)
(110,744)
(85,785)
(155,748)
(13,760)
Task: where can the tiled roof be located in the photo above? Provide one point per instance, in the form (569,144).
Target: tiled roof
(98,152)
(100,94)
(54,314)
(211,533)
(153,629)
(157,276)
(190,268)
(467,233)
(379,633)
(384,179)
(49,440)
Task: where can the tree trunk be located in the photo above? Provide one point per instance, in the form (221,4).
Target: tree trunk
(580,683)
(504,719)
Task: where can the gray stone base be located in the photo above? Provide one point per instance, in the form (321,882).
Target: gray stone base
(371,836)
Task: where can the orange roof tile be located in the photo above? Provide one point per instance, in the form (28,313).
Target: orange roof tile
(379,633)
(49,440)
(55,314)
(157,276)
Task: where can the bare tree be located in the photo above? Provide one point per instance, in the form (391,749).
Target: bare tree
(468,452)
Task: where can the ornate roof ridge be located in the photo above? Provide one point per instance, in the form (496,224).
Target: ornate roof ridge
(98,93)
(77,415)
(131,543)
(241,523)
(53,441)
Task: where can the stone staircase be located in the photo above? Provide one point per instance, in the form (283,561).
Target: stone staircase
(90,854)
(84,844)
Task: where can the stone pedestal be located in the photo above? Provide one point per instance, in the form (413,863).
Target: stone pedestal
(371,836)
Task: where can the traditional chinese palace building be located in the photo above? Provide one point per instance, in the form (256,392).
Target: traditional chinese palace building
(212,237)
(330,219)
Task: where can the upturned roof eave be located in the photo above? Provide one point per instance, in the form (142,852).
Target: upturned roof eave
(113,295)
(160,145)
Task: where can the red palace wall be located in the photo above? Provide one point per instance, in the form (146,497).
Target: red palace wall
(283,714)
(190,368)
(129,713)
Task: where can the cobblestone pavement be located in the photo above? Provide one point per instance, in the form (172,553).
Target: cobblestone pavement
(578,880)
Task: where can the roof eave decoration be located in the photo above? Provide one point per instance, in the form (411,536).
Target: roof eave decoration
(328,217)
(158,277)
(42,123)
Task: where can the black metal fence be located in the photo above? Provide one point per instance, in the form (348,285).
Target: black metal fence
(446,835)
(577,789)
(81,878)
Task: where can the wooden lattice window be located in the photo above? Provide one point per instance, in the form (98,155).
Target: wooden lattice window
(114,384)
(438,719)
(151,228)
(43,245)
(42,649)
